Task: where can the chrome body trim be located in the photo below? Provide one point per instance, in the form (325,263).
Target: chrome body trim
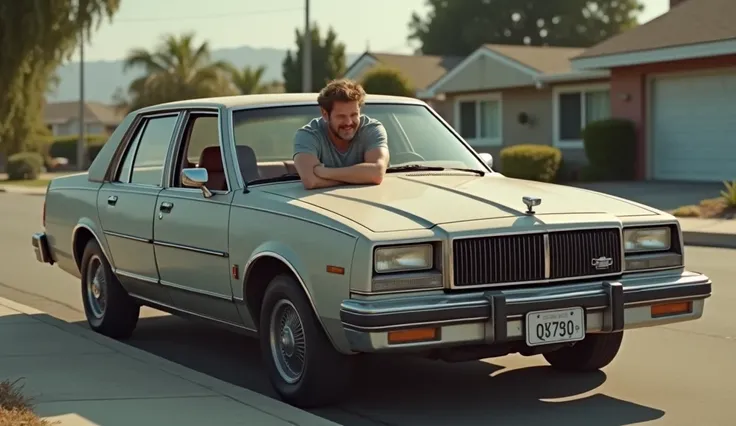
(189,248)
(137,277)
(127,237)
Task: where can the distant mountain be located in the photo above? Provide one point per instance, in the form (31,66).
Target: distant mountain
(102,78)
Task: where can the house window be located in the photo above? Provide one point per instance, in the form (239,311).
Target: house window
(575,109)
(479,121)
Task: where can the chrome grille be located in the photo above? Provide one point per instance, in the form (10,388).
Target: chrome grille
(521,258)
(492,260)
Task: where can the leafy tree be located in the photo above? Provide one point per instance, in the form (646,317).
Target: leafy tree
(386,81)
(35,37)
(176,70)
(247,80)
(328,61)
(472,23)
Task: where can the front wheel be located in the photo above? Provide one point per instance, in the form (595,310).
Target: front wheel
(108,307)
(303,366)
(592,353)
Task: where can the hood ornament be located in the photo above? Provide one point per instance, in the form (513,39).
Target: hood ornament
(530,203)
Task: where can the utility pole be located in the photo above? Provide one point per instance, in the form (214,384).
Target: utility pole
(81,148)
(307,52)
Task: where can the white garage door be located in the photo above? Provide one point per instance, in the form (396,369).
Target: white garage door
(693,127)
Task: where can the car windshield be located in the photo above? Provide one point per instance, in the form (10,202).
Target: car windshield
(415,137)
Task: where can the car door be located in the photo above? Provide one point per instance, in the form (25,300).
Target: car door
(190,232)
(127,206)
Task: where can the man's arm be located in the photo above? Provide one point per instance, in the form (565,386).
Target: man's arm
(371,171)
(306,156)
(305,163)
(375,160)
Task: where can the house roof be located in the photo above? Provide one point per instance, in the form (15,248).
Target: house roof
(535,61)
(692,22)
(94,112)
(542,59)
(420,70)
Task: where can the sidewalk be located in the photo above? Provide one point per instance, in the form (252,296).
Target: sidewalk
(80,378)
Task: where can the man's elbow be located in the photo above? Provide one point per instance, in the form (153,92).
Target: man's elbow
(309,183)
(377,178)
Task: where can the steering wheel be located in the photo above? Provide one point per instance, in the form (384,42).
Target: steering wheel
(405,157)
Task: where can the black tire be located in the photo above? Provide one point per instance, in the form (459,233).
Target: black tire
(592,353)
(325,374)
(119,317)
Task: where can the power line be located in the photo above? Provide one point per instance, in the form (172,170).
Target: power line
(201,17)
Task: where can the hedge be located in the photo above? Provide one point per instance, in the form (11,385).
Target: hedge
(610,146)
(532,162)
(24,166)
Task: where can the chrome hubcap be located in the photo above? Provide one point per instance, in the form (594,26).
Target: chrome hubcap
(288,343)
(96,286)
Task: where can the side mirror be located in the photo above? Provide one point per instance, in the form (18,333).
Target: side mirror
(488,158)
(196,178)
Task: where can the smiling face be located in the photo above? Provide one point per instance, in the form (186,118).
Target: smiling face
(344,119)
(340,102)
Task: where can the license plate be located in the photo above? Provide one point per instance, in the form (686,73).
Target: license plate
(555,326)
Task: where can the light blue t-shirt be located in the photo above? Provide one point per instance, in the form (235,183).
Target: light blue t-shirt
(313,139)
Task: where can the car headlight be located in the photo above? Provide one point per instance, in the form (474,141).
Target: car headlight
(647,239)
(415,257)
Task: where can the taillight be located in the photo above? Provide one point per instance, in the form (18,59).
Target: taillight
(43,213)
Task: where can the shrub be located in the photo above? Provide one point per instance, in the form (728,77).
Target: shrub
(610,146)
(532,162)
(24,166)
(66,146)
(386,81)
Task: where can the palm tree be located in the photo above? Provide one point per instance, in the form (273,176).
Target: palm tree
(247,80)
(176,70)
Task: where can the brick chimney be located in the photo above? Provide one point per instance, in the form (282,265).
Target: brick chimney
(674,3)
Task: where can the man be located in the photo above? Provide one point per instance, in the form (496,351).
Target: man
(342,146)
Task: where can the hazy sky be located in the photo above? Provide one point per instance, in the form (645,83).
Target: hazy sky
(232,23)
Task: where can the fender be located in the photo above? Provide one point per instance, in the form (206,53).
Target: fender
(89,225)
(288,257)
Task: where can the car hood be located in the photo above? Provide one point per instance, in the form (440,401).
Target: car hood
(421,201)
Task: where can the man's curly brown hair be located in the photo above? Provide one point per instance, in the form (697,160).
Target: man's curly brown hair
(342,90)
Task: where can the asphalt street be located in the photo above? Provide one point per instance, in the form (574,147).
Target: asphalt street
(682,374)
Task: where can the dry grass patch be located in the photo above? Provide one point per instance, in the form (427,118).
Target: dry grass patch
(723,207)
(16,409)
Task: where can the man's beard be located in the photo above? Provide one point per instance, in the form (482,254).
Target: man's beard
(346,133)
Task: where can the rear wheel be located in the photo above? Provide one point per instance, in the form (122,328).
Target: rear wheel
(108,307)
(593,353)
(303,366)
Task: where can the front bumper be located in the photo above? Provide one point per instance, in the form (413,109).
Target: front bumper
(498,316)
(40,244)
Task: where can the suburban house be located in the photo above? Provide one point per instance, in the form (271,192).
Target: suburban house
(62,118)
(504,95)
(675,76)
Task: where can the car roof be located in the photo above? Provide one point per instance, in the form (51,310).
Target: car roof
(275,99)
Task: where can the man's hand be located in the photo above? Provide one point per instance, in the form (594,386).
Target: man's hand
(371,171)
(305,165)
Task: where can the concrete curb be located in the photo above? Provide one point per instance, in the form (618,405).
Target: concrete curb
(275,408)
(709,239)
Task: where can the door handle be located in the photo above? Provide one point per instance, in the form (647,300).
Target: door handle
(166,207)
(112,200)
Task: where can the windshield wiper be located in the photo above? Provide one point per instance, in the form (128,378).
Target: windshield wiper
(420,167)
(283,178)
